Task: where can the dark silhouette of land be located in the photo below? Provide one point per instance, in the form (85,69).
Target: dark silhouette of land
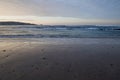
(14,23)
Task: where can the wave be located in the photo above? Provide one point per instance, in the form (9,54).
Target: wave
(37,31)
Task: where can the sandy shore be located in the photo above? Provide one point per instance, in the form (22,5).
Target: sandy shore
(60,59)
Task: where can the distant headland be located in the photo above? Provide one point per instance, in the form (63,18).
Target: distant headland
(14,23)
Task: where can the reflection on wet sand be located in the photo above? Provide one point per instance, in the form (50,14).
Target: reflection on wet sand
(97,59)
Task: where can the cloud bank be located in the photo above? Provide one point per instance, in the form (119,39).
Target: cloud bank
(83,9)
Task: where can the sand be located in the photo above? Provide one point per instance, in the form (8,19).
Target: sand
(60,59)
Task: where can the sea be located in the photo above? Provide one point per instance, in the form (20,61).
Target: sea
(59,31)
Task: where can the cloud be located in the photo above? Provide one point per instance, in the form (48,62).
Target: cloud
(84,9)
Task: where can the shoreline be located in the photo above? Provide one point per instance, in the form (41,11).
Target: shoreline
(64,40)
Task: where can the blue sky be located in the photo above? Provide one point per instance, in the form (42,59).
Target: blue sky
(62,11)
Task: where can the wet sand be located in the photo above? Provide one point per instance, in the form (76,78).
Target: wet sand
(60,59)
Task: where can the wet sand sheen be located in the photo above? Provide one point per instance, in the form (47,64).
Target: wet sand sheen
(78,59)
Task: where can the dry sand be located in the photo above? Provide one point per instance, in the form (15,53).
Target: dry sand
(60,59)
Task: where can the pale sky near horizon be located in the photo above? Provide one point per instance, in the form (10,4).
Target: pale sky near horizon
(61,11)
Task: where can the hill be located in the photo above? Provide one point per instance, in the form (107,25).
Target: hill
(14,23)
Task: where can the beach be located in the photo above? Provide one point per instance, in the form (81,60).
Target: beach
(60,59)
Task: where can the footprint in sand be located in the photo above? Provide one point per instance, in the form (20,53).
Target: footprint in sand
(44,58)
(13,70)
(7,56)
(111,65)
(37,68)
(4,50)
(112,47)
(32,65)
(42,50)
(2,66)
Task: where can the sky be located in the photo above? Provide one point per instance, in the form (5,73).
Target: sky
(71,12)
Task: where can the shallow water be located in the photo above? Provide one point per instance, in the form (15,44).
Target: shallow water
(39,31)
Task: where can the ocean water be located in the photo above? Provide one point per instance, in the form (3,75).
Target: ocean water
(40,31)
